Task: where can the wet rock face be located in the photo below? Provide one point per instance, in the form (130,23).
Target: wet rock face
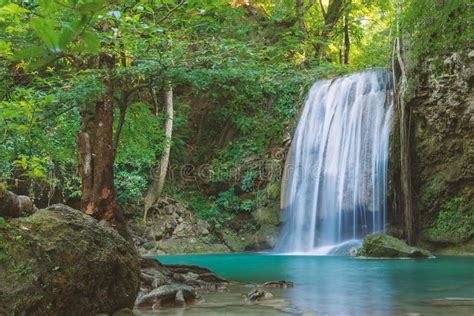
(60,261)
(441,101)
(384,246)
(174,229)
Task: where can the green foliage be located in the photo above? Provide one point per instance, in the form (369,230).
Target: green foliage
(248,181)
(245,69)
(23,270)
(2,220)
(130,186)
(455,222)
(438,27)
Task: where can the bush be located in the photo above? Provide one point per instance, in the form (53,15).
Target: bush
(454,224)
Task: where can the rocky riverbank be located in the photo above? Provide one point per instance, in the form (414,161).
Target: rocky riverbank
(173,228)
(62,261)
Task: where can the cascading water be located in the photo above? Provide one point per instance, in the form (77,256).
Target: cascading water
(336,178)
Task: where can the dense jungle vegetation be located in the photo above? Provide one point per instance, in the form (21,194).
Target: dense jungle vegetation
(85,87)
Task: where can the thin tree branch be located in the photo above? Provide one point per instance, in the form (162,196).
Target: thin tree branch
(179,5)
(323,11)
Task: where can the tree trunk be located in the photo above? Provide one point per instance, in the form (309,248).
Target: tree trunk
(156,188)
(12,205)
(347,41)
(331,16)
(405,153)
(299,8)
(96,162)
(122,112)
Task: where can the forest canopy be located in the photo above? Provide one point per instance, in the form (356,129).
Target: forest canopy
(240,65)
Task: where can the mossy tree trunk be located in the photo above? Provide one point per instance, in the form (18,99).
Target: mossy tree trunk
(406,194)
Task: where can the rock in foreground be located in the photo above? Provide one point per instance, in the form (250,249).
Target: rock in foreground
(60,261)
(384,246)
(173,285)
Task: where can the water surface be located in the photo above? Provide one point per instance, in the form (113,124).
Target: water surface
(326,285)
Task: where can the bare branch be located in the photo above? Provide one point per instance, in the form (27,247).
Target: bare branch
(179,5)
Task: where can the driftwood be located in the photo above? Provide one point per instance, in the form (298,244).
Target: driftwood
(12,205)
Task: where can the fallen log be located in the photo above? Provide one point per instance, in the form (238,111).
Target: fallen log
(12,205)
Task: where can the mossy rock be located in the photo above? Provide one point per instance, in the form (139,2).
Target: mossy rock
(267,215)
(266,237)
(236,242)
(188,245)
(384,246)
(60,261)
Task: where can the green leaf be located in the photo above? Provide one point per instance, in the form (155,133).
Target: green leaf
(12,9)
(91,42)
(40,63)
(44,29)
(30,52)
(5,49)
(91,6)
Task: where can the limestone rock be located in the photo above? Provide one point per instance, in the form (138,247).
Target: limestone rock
(258,295)
(384,246)
(167,295)
(173,228)
(279,284)
(60,261)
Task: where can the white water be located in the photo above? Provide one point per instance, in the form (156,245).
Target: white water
(337,169)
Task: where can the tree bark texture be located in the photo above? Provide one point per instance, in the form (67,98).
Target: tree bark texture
(156,188)
(347,40)
(96,162)
(331,16)
(404,113)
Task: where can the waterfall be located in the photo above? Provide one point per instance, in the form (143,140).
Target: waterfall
(336,173)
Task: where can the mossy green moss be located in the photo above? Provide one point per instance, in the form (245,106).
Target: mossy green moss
(384,246)
(454,224)
(64,261)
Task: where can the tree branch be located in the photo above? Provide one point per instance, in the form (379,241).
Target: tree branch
(323,11)
(179,5)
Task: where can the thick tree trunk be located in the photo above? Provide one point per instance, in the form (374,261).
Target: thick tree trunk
(331,16)
(96,162)
(12,205)
(156,188)
(405,153)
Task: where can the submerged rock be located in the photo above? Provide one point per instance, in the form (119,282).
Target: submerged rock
(60,261)
(279,284)
(168,295)
(174,284)
(348,248)
(384,246)
(258,295)
(451,301)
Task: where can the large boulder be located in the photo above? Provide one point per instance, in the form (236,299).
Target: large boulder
(384,246)
(60,261)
